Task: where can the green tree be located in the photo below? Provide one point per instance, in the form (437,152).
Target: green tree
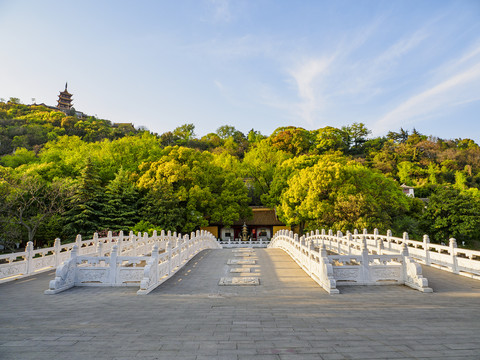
(331,139)
(189,190)
(120,203)
(185,133)
(225,131)
(357,135)
(341,194)
(283,172)
(86,205)
(29,201)
(259,167)
(293,140)
(452,213)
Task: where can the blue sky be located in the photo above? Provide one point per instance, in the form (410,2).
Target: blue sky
(251,64)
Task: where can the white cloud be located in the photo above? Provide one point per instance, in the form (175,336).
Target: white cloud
(221,10)
(401,48)
(460,88)
(307,77)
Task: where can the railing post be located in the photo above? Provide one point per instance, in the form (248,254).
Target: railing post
(100,248)
(29,257)
(169,256)
(78,242)
(349,241)
(184,252)
(426,248)
(95,241)
(404,253)
(113,265)
(389,240)
(378,242)
(120,242)
(133,242)
(155,260)
(379,246)
(57,245)
(405,237)
(339,245)
(131,236)
(365,261)
(453,246)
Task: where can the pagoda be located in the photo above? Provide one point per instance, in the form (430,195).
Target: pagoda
(64,100)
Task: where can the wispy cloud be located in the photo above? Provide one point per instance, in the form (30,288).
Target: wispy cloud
(308,76)
(401,48)
(459,88)
(221,10)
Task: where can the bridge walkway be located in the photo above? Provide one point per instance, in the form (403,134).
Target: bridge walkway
(287,316)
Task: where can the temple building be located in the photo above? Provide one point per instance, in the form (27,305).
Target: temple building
(262,225)
(64,100)
(408,190)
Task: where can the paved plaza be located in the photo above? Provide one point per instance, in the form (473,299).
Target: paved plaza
(286,316)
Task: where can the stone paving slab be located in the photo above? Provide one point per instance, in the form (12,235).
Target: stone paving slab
(240,262)
(238,281)
(287,316)
(241,270)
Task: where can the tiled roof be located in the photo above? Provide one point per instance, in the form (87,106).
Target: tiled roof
(261,216)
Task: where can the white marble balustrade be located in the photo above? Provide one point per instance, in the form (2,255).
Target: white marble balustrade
(352,265)
(241,244)
(31,261)
(130,263)
(446,257)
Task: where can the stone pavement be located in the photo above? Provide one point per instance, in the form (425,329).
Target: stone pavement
(287,316)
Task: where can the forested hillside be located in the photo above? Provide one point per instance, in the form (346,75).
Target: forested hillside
(61,175)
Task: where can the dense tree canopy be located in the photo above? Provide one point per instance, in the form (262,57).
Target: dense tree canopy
(106,176)
(340,194)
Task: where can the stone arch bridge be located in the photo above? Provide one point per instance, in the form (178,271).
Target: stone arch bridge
(237,302)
